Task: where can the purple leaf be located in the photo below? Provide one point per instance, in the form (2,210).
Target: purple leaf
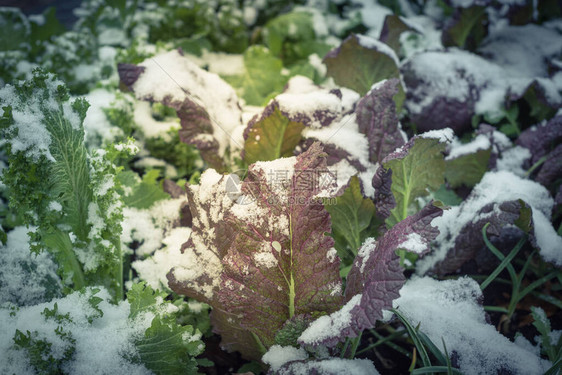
(280,262)
(384,199)
(374,280)
(551,170)
(540,139)
(377,119)
(264,259)
(206,105)
(129,73)
(469,240)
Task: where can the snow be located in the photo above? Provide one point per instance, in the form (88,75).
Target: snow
(303,98)
(443,135)
(20,270)
(100,347)
(96,124)
(549,242)
(210,201)
(449,310)
(265,259)
(185,80)
(149,226)
(522,50)
(150,128)
(414,243)
(372,15)
(372,43)
(278,355)
(513,160)
(153,270)
(32,136)
(331,366)
(221,63)
(496,187)
(438,71)
(329,326)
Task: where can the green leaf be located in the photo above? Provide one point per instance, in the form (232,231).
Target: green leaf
(467,28)
(351,216)
(392,28)
(542,324)
(142,297)
(291,37)
(15,29)
(271,136)
(447,196)
(168,348)
(41,32)
(358,67)
(145,193)
(262,76)
(467,169)
(416,167)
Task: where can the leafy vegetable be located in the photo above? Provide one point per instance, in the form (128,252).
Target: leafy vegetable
(376,61)
(271,136)
(467,28)
(416,167)
(263,276)
(351,218)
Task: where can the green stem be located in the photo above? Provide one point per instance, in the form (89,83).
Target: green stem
(355,343)
(535,166)
(292,280)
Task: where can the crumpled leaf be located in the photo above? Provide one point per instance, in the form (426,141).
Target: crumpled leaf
(416,167)
(252,259)
(466,29)
(375,279)
(206,105)
(376,117)
(375,61)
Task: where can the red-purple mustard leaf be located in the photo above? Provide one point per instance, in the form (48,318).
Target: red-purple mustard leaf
(469,240)
(261,257)
(206,105)
(541,139)
(280,262)
(384,199)
(551,170)
(198,276)
(377,119)
(375,279)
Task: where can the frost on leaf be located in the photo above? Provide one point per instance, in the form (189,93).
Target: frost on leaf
(206,105)
(261,252)
(374,280)
(504,200)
